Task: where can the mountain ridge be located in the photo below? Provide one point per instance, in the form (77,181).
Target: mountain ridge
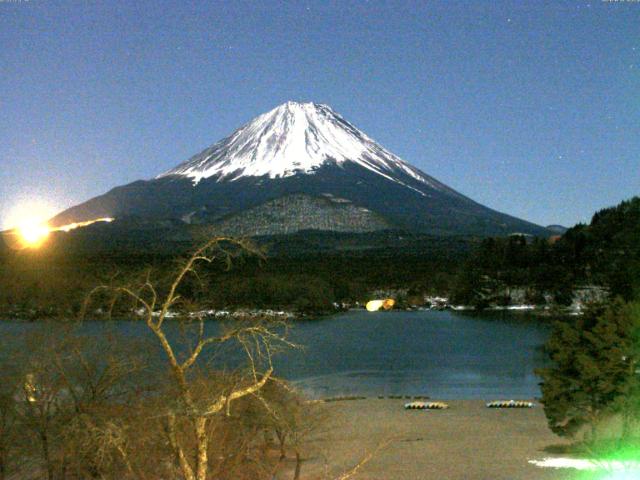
(301,148)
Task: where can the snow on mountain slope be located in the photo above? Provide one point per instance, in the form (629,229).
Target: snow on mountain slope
(296,138)
(299,148)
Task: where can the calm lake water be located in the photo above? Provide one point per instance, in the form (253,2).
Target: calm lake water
(437,353)
(441,354)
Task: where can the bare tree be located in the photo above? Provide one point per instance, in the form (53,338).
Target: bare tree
(40,405)
(285,414)
(67,388)
(353,471)
(9,388)
(89,407)
(196,406)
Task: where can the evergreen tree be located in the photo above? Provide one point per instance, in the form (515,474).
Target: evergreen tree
(629,403)
(593,371)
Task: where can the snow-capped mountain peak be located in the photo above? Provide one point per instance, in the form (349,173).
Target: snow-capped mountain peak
(295,138)
(297,167)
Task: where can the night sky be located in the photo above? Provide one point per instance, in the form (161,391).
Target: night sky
(531,108)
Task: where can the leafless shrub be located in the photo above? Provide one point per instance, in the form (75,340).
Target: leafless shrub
(104,407)
(190,420)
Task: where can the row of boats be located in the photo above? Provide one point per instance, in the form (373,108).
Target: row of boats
(493,404)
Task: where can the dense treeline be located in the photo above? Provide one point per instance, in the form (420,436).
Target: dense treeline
(606,253)
(315,282)
(41,283)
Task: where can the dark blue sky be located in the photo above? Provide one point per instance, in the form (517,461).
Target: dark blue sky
(531,108)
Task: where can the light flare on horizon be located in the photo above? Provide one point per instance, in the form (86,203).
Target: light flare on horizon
(74,225)
(30,229)
(32,233)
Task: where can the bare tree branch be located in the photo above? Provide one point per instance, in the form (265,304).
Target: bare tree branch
(219,404)
(366,459)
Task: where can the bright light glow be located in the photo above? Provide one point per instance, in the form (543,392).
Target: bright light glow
(622,476)
(27,210)
(73,226)
(27,226)
(32,232)
(30,387)
(616,469)
(375,305)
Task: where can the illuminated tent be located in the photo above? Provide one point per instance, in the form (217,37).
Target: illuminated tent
(375,305)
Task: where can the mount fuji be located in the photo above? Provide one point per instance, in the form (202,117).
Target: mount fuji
(300,166)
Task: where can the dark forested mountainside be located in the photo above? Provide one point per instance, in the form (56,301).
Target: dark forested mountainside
(606,252)
(305,272)
(311,271)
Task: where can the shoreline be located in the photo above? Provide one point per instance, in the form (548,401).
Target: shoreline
(464,442)
(543,313)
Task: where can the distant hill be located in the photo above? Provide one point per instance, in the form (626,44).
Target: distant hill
(556,229)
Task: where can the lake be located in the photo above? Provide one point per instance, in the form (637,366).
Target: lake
(442,354)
